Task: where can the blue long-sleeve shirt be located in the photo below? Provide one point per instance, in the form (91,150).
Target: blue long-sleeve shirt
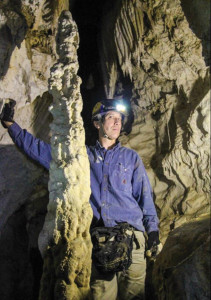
(120,187)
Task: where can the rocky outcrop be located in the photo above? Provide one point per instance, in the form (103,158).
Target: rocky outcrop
(65,240)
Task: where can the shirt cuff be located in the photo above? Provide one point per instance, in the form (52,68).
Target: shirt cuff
(14,130)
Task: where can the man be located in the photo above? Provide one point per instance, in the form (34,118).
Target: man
(121,194)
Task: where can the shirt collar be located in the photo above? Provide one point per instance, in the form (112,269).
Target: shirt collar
(99,147)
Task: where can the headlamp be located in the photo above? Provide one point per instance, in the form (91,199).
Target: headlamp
(104,106)
(120,108)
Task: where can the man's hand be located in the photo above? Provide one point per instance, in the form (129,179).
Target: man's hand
(7,113)
(154,245)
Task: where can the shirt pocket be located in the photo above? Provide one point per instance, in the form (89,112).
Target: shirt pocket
(121,177)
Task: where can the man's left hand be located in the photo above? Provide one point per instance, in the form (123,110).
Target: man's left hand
(7,110)
(154,245)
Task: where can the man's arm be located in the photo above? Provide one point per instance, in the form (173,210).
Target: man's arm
(33,147)
(142,191)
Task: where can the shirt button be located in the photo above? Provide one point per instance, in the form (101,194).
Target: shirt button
(105,189)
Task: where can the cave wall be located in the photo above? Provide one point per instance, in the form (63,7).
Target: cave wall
(28,47)
(183,268)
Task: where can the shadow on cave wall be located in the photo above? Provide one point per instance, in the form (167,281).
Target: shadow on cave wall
(12,33)
(42,118)
(20,260)
(182,269)
(88,17)
(197,13)
(20,265)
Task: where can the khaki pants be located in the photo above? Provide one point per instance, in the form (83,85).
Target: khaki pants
(122,286)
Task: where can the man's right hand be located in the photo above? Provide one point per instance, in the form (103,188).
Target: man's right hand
(7,113)
(154,245)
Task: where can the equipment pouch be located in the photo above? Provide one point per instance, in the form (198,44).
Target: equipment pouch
(112,247)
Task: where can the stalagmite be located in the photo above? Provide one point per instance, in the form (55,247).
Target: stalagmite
(65,241)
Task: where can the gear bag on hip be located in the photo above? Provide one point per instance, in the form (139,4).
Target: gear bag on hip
(112,247)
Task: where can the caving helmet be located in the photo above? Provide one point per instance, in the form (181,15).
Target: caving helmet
(102,107)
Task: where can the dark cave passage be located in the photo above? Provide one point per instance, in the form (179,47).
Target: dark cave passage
(88,16)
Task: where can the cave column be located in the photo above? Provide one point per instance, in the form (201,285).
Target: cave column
(65,240)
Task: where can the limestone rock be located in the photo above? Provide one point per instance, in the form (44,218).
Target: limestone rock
(27,51)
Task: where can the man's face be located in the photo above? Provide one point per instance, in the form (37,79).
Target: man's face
(112,125)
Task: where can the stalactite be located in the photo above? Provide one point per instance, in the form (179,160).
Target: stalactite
(65,240)
(124,47)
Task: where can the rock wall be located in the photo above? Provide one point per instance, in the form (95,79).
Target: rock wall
(65,240)
(27,51)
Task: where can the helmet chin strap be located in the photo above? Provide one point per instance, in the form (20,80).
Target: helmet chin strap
(107,137)
(104,134)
